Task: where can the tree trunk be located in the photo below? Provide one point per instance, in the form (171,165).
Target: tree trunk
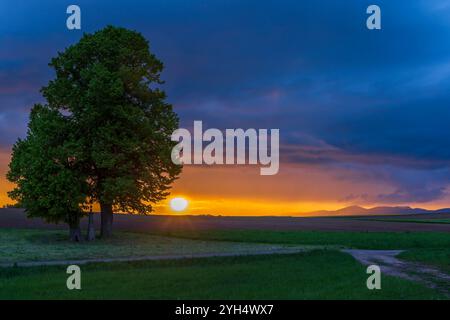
(91,227)
(107,220)
(75,231)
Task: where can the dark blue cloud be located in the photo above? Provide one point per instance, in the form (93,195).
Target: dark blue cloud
(310,68)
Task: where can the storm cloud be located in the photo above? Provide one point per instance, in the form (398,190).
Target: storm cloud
(374,103)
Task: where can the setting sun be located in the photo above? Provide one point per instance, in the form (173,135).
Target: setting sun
(178,204)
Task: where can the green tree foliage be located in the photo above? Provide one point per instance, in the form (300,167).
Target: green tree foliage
(106,92)
(45,170)
(108,82)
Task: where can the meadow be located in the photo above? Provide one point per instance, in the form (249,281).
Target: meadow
(319,271)
(318,274)
(28,245)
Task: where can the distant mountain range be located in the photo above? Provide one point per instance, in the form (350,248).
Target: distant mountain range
(357,210)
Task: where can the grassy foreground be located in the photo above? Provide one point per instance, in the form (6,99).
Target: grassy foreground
(439,257)
(425,247)
(20,245)
(321,274)
(438,221)
(357,240)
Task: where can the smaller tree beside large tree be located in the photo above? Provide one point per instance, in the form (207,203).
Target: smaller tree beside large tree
(44,168)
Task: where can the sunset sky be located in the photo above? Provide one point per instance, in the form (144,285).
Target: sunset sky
(364,116)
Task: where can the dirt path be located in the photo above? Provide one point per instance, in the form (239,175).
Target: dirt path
(154,257)
(391,265)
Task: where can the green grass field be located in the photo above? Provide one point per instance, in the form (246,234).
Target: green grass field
(439,257)
(438,221)
(322,272)
(22,245)
(358,240)
(426,247)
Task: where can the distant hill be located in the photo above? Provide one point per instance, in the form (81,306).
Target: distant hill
(357,210)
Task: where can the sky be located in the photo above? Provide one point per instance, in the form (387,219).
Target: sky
(363,114)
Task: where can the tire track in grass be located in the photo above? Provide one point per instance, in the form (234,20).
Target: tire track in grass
(389,264)
(290,250)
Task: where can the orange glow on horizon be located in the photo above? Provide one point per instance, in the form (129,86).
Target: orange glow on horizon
(5,185)
(241,191)
(244,207)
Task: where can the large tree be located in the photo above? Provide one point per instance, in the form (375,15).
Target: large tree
(107,84)
(103,136)
(45,170)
